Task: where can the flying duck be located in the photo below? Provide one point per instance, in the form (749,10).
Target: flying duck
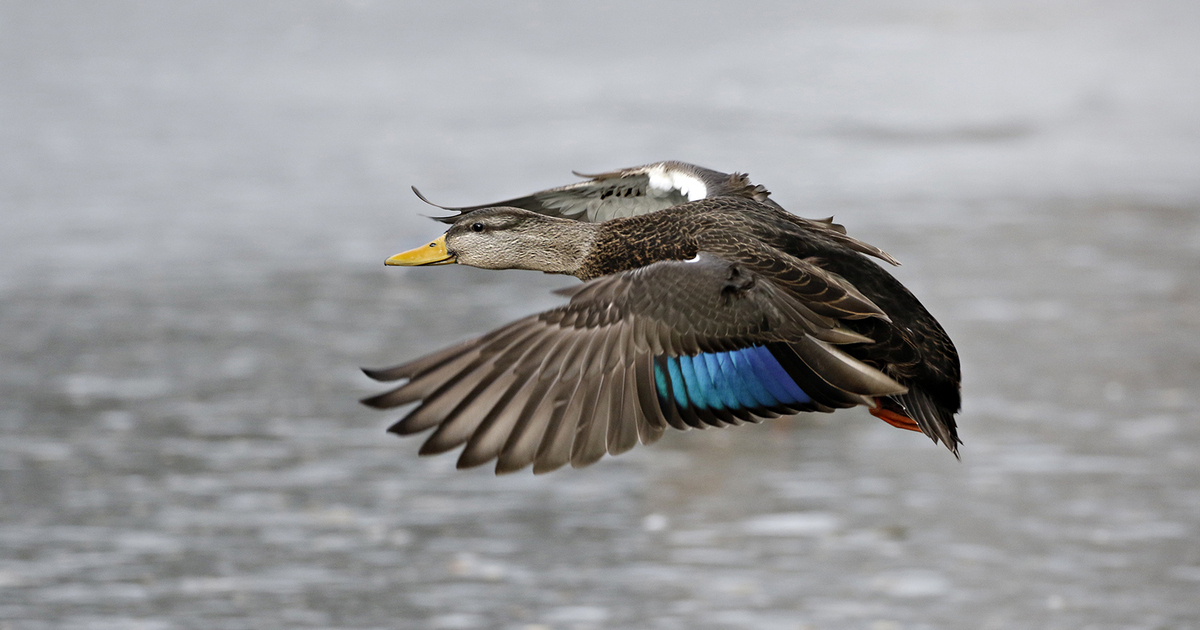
(704,304)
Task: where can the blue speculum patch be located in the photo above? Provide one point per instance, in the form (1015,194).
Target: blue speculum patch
(741,379)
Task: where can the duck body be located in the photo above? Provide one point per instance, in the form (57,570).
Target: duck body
(708,313)
(909,344)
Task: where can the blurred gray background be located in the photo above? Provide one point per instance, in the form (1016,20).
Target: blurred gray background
(196,199)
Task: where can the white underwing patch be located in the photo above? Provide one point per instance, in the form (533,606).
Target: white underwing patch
(666,181)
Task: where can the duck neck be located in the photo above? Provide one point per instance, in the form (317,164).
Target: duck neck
(562,247)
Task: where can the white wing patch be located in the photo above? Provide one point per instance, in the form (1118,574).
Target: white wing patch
(664,182)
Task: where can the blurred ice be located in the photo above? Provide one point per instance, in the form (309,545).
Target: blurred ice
(195,200)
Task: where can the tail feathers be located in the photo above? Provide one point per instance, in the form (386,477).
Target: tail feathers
(916,411)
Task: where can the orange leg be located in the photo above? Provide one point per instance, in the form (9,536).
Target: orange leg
(895,419)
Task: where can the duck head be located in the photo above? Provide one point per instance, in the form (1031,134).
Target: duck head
(506,238)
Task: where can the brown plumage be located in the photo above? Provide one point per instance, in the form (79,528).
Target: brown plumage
(708,313)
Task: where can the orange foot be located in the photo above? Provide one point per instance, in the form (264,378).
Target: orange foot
(895,419)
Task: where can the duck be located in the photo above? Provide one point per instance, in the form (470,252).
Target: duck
(703,304)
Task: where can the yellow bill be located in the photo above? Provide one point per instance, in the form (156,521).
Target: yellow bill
(432,254)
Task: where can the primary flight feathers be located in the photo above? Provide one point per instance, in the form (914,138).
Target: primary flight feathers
(627,192)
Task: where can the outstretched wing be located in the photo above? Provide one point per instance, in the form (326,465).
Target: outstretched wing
(698,343)
(627,192)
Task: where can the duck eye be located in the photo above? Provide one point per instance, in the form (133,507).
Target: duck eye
(476,227)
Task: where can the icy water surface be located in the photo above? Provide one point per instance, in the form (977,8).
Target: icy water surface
(195,202)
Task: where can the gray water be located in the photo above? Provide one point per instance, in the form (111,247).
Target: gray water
(195,201)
